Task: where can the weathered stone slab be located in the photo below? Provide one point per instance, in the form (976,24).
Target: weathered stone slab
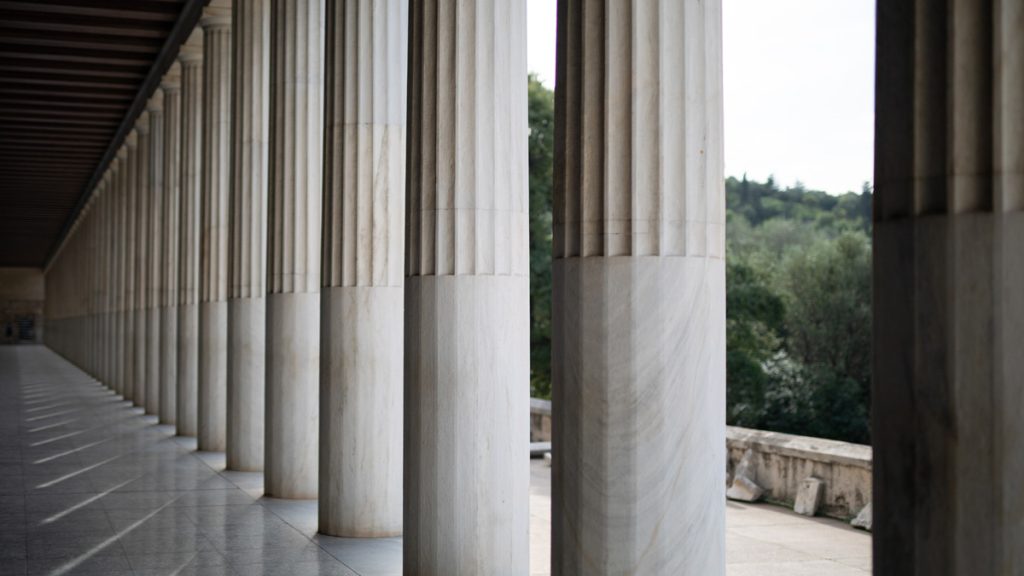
(744,488)
(863,520)
(809,496)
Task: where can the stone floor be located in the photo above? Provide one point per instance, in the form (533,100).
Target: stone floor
(88,485)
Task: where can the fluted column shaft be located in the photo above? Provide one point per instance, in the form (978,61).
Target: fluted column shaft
(130,182)
(191,59)
(154,254)
(293,246)
(247,231)
(948,375)
(213,275)
(466,507)
(361,324)
(140,254)
(169,262)
(118,166)
(638,300)
(107,343)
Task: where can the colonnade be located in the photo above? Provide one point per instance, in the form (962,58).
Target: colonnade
(311,253)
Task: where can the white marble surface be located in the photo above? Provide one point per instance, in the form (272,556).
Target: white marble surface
(129,181)
(213,272)
(247,231)
(190,57)
(187,392)
(170,212)
(168,364)
(154,249)
(361,403)
(145,502)
(361,407)
(292,400)
(466,298)
(638,296)
(213,376)
(140,253)
(467,425)
(246,372)
(118,167)
(293,248)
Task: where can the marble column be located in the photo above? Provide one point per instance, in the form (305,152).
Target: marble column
(361,323)
(106,247)
(293,248)
(170,87)
(638,300)
(948,374)
(247,232)
(154,249)
(213,274)
(190,163)
(118,167)
(129,180)
(467,359)
(139,254)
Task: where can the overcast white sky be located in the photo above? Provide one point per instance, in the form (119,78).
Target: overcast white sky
(799,87)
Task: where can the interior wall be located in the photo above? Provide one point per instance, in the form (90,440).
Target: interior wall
(22,292)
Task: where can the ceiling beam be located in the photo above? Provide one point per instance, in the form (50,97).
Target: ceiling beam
(184,25)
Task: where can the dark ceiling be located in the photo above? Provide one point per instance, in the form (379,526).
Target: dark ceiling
(74,75)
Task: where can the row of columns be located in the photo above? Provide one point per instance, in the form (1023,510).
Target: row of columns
(311,253)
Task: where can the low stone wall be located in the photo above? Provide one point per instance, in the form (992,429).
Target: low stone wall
(540,420)
(781,462)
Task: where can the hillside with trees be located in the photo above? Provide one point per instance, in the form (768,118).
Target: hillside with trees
(798,283)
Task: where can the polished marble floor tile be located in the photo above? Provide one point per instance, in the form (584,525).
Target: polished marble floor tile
(90,485)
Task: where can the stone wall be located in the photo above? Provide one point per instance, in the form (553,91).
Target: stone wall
(540,420)
(21,305)
(781,461)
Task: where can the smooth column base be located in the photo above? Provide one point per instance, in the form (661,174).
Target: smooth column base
(153,361)
(139,372)
(638,427)
(188,370)
(292,395)
(168,364)
(213,376)
(361,412)
(247,325)
(467,425)
(124,350)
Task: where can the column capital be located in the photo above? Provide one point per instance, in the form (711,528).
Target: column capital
(171,82)
(142,124)
(191,51)
(217,14)
(156,101)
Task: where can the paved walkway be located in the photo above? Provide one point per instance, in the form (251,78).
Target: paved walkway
(88,485)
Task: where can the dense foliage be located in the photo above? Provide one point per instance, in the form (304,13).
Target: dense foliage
(798,310)
(798,297)
(542,152)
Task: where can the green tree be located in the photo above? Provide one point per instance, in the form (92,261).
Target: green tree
(541,110)
(798,276)
(828,324)
(754,319)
